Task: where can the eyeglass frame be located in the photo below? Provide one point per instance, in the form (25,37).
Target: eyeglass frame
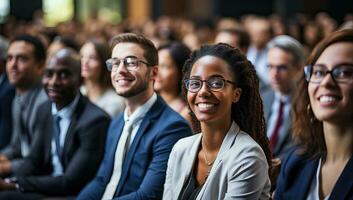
(207,83)
(110,66)
(308,72)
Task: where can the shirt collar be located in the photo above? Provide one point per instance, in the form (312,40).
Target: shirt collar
(67,111)
(283,98)
(141,111)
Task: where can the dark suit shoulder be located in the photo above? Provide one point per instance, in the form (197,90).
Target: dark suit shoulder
(89,111)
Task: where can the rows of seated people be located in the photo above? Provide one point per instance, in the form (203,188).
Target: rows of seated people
(254,112)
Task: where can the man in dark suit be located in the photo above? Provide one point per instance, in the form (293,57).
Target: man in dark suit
(7,92)
(285,61)
(139,141)
(69,145)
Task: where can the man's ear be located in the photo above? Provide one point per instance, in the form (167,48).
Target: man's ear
(236,94)
(154,72)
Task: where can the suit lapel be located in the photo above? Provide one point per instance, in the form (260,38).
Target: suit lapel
(306,178)
(268,101)
(48,136)
(72,127)
(344,184)
(227,143)
(283,139)
(149,118)
(190,156)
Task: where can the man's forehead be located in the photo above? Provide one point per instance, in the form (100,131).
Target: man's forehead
(125,49)
(21,46)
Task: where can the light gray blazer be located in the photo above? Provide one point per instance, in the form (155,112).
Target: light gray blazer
(240,170)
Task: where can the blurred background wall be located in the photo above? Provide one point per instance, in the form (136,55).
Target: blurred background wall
(138,11)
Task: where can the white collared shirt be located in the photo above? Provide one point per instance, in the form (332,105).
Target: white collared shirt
(140,112)
(66,116)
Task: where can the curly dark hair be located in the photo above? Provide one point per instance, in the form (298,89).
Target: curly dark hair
(307,130)
(248,111)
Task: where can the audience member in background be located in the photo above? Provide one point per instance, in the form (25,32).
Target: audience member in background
(62,42)
(97,85)
(24,67)
(71,137)
(313,34)
(168,83)
(260,32)
(322,166)
(140,140)
(285,62)
(230,158)
(235,37)
(7,93)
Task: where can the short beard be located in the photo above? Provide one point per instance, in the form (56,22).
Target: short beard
(134,91)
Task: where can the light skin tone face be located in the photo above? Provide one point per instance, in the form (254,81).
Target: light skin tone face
(282,71)
(135,86)
(210,106)
(228,38)
(61,83)
(332,101)
(90,65)
(168,77)
(22,68)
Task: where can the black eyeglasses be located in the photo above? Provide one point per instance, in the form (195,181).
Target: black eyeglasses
(131,63)
(213,83)
(340,73)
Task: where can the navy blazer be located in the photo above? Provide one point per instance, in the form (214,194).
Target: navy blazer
(7,93)
(297,173)
(145,164)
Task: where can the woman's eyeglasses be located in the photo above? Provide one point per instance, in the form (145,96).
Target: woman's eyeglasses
(213,83)
(340,73)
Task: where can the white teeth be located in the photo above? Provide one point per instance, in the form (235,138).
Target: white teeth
(325,99)
(205,105)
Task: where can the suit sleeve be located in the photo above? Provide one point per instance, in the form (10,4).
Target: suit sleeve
(81,167)
(152,184)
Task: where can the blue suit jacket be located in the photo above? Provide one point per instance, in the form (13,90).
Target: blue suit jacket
(297,173)
(7,93)
(145,164)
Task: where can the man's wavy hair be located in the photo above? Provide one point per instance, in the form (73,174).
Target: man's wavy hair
(248,111)
(307,130)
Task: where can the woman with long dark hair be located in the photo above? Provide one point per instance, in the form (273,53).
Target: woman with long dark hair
(230,158)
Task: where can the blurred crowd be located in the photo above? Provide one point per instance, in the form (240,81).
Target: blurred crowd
(78,64)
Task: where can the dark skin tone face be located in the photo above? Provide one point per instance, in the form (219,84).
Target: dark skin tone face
(61,83)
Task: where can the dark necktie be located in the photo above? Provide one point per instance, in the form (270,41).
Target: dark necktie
(57,135)
(275,133)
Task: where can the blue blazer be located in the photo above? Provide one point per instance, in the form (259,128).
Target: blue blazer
(297,173)
(7,93)
(145,164)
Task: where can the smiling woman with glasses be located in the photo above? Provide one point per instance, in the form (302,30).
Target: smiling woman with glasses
(230,158)
(322,164)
